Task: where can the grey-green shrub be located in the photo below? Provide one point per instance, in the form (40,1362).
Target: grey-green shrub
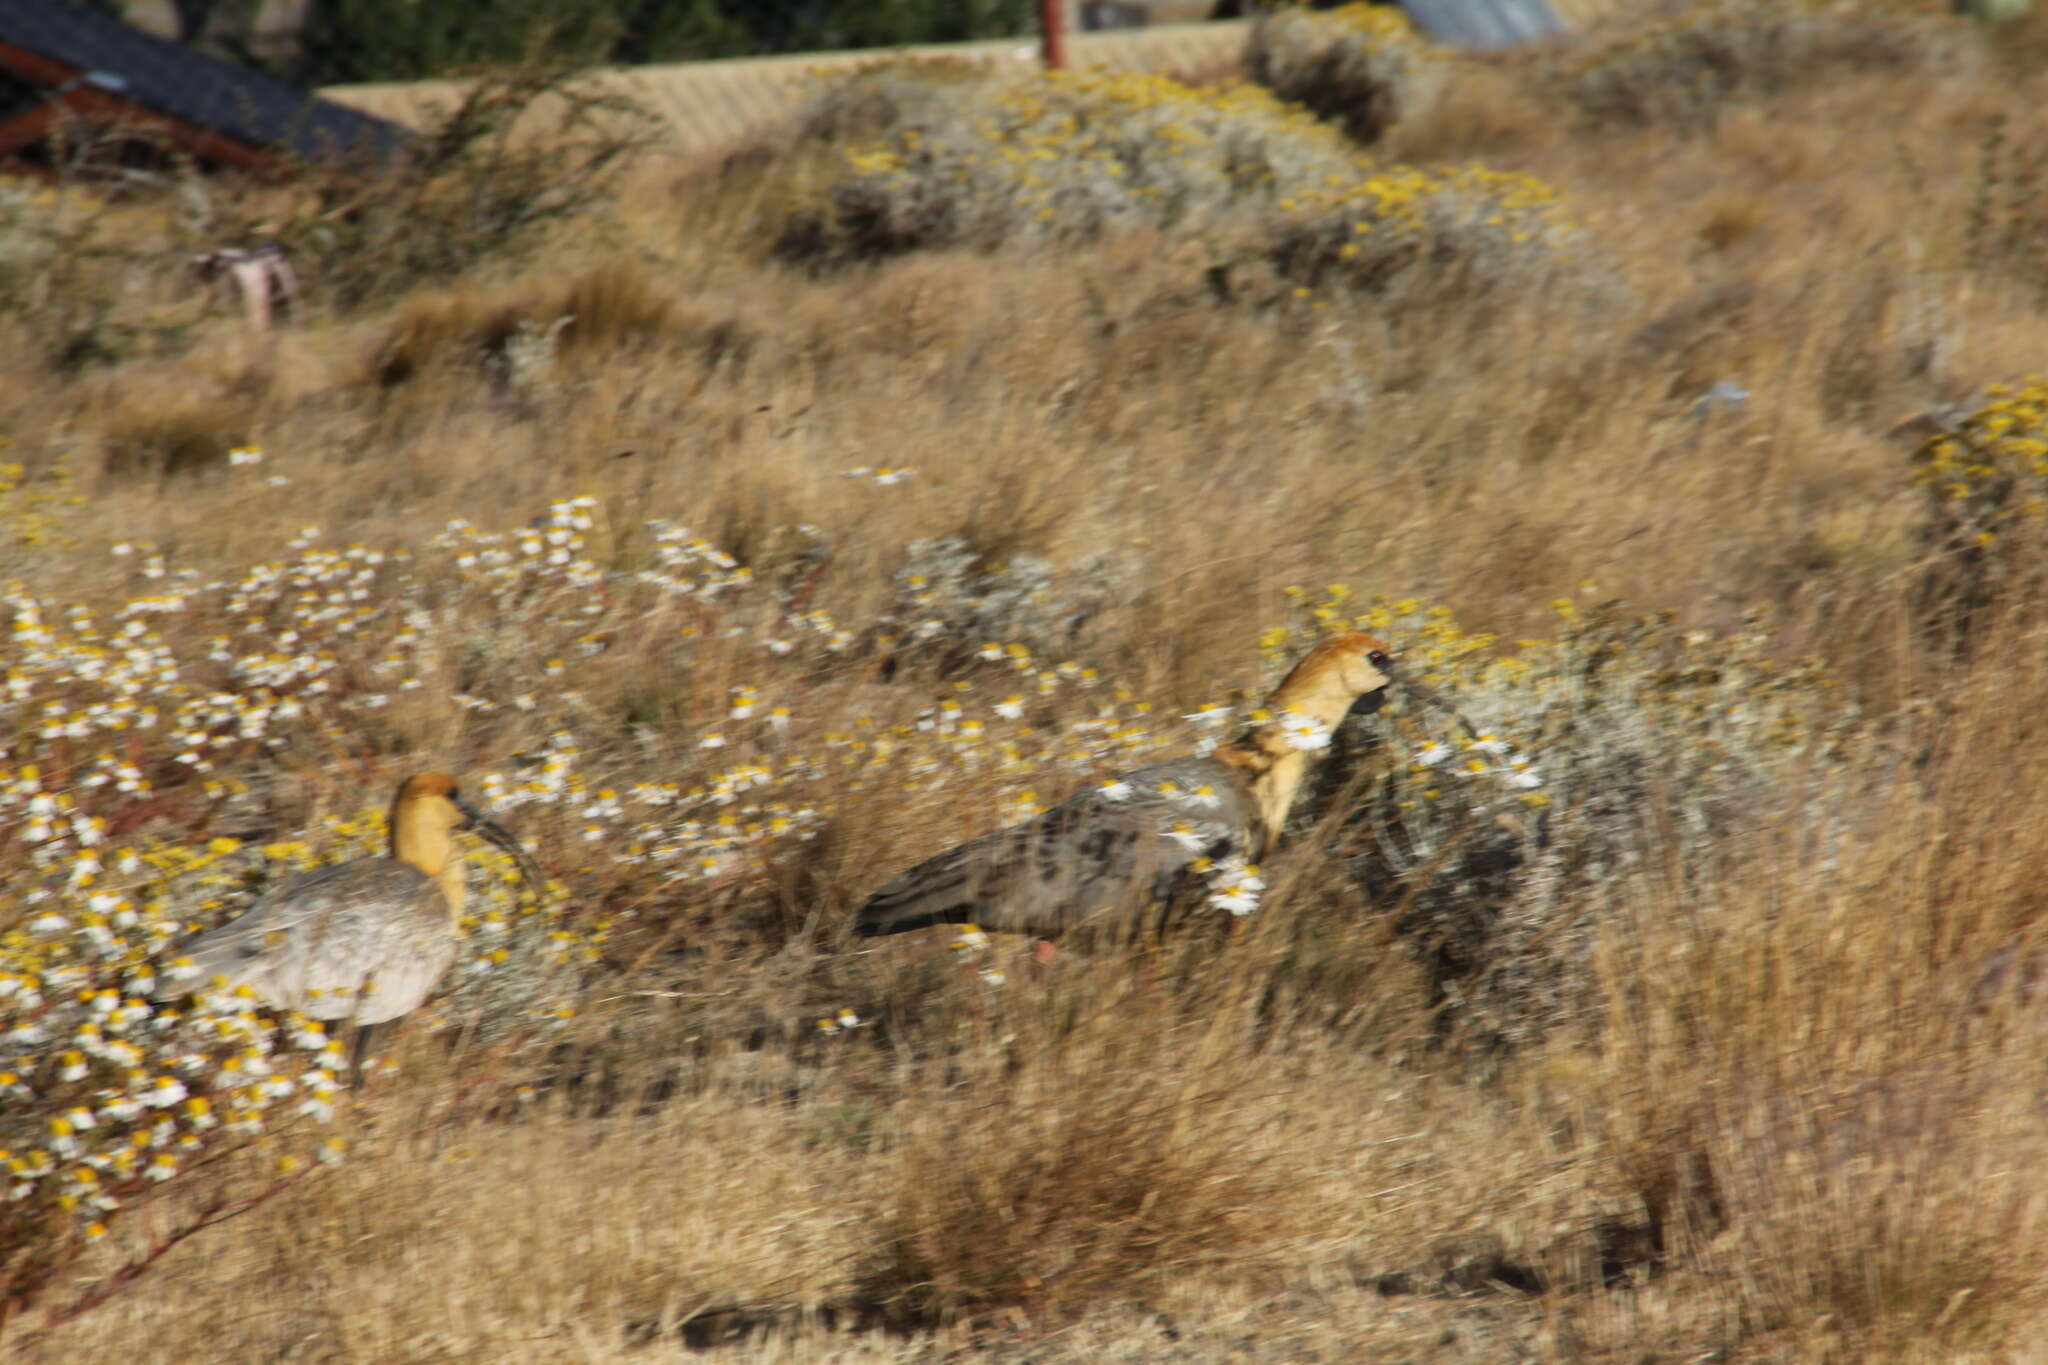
(1362,67)
(1625,744)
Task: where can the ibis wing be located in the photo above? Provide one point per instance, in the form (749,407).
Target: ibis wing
(363,940)
(1090,853)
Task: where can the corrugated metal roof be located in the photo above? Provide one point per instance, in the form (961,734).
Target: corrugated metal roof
(1483,25)
(161,75)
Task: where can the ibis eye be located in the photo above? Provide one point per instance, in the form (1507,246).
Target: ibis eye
(1378,658)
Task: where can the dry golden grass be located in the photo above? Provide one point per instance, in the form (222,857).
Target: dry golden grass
(1804,1122)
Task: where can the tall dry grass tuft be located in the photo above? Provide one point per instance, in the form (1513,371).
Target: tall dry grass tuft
(1807,1080)
(517,332)
(188,434)
(1109,1146)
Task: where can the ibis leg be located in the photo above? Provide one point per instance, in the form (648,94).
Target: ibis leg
(361,1053)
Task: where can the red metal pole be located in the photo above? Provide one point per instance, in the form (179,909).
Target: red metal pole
(1052,34)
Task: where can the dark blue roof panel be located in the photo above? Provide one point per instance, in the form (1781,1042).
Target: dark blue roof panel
(189,85)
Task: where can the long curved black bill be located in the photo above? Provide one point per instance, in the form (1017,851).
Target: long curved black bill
(497,834)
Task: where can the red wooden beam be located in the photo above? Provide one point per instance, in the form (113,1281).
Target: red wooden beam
(27,128)
(37,69)
(72,94)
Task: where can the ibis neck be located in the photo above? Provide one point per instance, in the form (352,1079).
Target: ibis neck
(453,886)
(1269,758)
(1273,767)
(431,849)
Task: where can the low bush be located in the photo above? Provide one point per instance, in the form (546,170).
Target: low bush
(881,96)
(1361,66)
(1064,157)
(1683,68)
(517,151)
(83,277)
(1984,490)
(1444,231)
(1624,743)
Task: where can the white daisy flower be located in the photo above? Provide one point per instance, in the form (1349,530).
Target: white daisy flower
(1238,898)
(841,1022)
(167,1091)
(1304,732)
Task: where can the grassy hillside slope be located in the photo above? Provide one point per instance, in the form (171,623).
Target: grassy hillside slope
(746,529)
